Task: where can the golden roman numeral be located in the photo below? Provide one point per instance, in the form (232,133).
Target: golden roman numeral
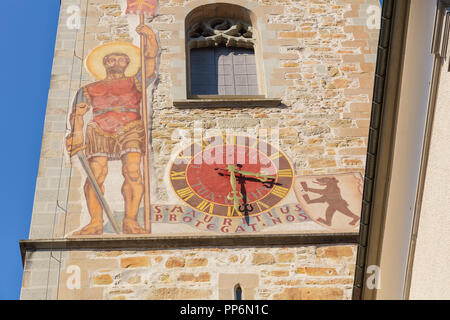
(186,158)
(255,144)
(287,173)
(185,193)
(231,211)
(206,205)
(232,140)
(205,144)
(262,206)
(275,156)
(178,175)
(280,191)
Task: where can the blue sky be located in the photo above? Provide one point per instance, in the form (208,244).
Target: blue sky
(27,46)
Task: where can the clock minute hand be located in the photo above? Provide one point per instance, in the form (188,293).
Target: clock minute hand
(234,194)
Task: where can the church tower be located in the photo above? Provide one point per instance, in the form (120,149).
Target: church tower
(198,149)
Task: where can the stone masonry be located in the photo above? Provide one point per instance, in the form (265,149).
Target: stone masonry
(325,58)
(311,272)
(318,59)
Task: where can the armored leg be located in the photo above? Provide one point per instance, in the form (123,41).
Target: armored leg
(132,191)
(99,167)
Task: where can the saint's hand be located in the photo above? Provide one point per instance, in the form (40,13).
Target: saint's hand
(144,30)
(74,141)
(81,109)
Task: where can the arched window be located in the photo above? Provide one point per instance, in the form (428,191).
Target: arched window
(237,292)
(221,44)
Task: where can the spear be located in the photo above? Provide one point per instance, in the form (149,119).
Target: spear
(143,8)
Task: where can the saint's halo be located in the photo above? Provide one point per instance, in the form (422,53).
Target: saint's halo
(94,61)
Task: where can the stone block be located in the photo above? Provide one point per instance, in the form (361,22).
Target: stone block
(102,279)
(320,271)
(178,294)
(196,262)
(279,273)
(310,294)
(286,257)
(263,258)
(175,262)
(135,262)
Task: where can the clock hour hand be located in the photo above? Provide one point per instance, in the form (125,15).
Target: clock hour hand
(269,182)
(261,177)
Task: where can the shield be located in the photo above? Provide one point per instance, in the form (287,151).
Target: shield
(333,201)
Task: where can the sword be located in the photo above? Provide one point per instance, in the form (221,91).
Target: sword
(82,157)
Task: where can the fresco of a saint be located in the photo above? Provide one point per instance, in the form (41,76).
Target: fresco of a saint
(116,131)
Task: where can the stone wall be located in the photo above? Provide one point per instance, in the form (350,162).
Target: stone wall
(318,59)
(301,272)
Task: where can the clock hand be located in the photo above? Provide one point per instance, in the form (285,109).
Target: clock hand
(245,207)
(259,176)
(234,194)
(268,183)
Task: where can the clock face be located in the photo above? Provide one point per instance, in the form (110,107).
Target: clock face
(231,176)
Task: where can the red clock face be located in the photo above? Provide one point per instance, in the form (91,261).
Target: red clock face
(231,176)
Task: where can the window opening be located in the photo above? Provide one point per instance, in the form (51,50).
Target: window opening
(238,292)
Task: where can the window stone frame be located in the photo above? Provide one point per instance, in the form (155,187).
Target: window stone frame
(266,54)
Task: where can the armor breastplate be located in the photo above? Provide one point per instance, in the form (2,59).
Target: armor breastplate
(115,103)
